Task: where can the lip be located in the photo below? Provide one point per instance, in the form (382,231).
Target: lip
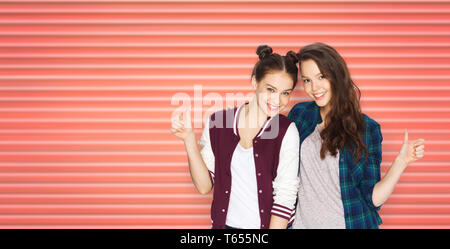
(319,96)
(272,107)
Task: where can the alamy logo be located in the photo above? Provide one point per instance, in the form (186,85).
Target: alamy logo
(194,108)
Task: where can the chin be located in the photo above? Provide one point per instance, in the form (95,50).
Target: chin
(321,102)
(274,113)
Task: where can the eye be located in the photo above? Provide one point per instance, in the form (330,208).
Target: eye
(286,93)
(306,81)
(321,77)
(270,90)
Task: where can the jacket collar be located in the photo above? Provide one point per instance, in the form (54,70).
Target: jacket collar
(314,113)
(236,118)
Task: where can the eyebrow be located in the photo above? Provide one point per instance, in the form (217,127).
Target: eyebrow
(291,89)
(271,86)
(303,76)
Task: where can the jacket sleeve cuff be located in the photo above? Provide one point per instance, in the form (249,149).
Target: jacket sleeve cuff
(211,176)
(369,200)
(283,212)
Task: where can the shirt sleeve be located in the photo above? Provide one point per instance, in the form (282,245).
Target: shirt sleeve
(206,151)
(371,169)
(286,183)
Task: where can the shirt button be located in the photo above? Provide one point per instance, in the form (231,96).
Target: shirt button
(223,210)
(256,155)
(262,225)
(226,191)
(256,141)
(259,174)
(260,191)
(262,210)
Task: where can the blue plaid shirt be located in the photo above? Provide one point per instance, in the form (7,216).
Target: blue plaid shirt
(356,180)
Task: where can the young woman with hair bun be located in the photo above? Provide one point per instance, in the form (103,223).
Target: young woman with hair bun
(249,154)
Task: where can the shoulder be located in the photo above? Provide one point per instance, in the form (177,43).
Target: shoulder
(222,118)
(284,119)
(369,123)
(284,123)
(372,130)
(223,113)
(302,109)
(292,131)
(302,106)
(289,126)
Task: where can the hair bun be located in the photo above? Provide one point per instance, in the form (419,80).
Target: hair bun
(263,51)
(292,56)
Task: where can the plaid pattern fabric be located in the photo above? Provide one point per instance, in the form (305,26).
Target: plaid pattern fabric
(356,179)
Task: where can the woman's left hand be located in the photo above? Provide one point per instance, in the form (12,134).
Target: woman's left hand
(411,151)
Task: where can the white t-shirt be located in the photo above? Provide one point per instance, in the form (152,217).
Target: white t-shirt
(285,185)
(243,209)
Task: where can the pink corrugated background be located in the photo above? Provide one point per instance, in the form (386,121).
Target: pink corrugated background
(86,89)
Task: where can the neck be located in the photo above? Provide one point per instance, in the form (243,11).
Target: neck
(323,113)
(254,115)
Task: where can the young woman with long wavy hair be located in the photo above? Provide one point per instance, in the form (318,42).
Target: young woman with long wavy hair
(340,148)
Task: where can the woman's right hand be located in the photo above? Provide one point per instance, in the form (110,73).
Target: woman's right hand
(182,125)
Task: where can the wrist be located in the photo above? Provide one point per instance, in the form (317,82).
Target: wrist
(190,137)
(400,162)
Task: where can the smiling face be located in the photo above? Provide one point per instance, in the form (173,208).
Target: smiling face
(315,84)
(273,92)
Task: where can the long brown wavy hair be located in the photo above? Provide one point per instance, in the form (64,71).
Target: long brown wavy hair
(344,123)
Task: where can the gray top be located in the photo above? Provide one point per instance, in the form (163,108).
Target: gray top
(319,197)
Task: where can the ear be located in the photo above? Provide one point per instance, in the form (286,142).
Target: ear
(254,83)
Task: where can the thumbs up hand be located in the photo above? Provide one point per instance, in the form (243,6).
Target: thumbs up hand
(182,125)
(411,151)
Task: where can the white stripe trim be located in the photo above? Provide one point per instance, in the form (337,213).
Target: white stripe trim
(235,119)
(292,219)
(265,126)
(282,214)
(212,175)
(282,208)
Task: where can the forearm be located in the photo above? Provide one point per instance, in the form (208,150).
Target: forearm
(199,172)
(277,222)
(384,188)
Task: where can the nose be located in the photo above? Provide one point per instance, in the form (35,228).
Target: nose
(275,99)
(313,86)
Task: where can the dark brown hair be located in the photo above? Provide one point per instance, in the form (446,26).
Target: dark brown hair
(269,62)
(344,122)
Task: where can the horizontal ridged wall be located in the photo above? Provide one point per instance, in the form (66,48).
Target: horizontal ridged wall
(86,89)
